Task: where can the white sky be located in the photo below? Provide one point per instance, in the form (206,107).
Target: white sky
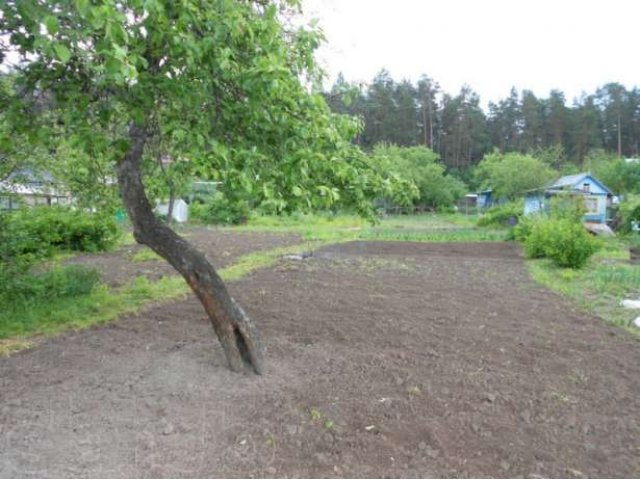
(491,45)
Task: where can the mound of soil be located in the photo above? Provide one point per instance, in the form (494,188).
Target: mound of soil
(384,360)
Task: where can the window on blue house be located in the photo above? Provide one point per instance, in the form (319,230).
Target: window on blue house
(592,205)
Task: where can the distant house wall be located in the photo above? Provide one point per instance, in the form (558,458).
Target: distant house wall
(593,186)
(484,199)
(596,206)
(594,194)
(534,203)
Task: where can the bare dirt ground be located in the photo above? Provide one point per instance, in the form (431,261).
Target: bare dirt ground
(221,247)
(385,360)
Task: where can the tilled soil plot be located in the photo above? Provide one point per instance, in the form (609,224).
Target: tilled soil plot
(384,360)
(220,247)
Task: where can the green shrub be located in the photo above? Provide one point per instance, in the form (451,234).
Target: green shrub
(37,232)
(220,210)
(523,229)
(501,215)
(629,211)
(534,236)
(568,207)
(564,241)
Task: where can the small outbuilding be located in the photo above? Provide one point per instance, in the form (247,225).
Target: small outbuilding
(597,197)
(484,199)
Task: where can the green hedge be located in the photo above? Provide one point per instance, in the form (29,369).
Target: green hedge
(39,231)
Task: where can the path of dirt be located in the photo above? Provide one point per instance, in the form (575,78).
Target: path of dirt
(220,247)
(384,360)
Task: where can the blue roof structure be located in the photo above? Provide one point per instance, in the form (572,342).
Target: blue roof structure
(574,182)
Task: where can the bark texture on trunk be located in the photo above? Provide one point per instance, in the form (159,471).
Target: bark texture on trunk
(236,332)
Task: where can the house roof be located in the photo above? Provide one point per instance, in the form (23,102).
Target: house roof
(27,175)
(29,182)
(574,182)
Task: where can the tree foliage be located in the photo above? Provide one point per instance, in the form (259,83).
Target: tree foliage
(419,165)
(457,128)
(620,176)
(217,84)
(221,87)
(510,175)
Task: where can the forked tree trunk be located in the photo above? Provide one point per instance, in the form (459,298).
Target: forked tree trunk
(236,332)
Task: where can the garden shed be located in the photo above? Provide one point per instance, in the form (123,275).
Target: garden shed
(597,197)
(484,199)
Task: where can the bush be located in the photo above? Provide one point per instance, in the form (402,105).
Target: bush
(629,211)
(37,232)
(220,210)
(501,215)
(564,241)
(523,229)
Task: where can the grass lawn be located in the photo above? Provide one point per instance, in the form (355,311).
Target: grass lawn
(431,227)
(600,286)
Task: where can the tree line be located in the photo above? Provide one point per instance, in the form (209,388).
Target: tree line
(458,129)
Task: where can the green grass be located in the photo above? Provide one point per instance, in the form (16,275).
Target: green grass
(433,227)
(466,234)
(146,255)
(430,221)
(125,240)
(18,326)
(600,286)
(256,260)
(99,306)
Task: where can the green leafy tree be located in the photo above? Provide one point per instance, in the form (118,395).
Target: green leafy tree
(419,165)
(220,82)
(510,175)
(620,176)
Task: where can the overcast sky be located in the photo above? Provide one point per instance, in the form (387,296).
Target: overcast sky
(491,45)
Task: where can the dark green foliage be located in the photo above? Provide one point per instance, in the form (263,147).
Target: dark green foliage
(502,215)
(35,234)
(419,166)
(563,240)
(629,211)
(39,231)
(459,131)
(511,175)
(220,210)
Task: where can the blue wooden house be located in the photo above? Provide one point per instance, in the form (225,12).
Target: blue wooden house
(597,197)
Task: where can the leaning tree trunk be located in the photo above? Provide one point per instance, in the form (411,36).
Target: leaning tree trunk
(236,332)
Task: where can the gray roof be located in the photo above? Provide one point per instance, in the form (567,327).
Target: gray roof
(569,180)
(27,175)
(572,181)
